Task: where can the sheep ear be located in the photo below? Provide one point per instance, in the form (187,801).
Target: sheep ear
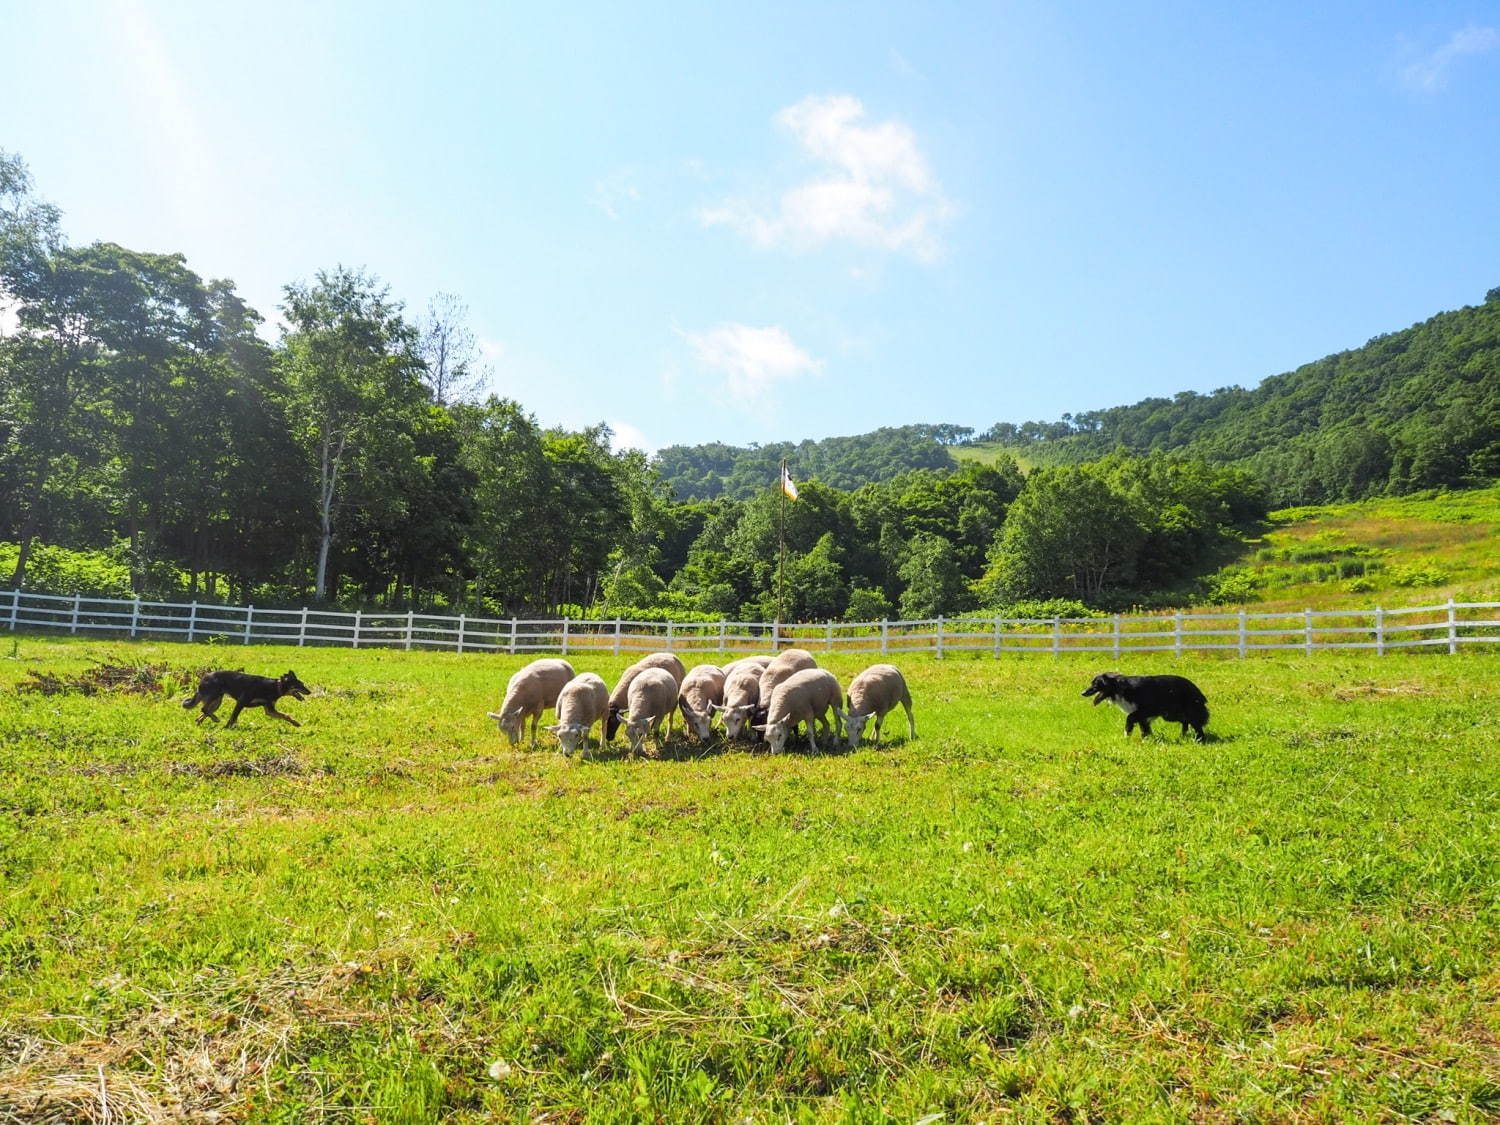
(492,715)
(762,727)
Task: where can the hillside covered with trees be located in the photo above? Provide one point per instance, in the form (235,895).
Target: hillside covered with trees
(1409,410)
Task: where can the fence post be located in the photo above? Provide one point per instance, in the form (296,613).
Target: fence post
(1379,631)
(1116,637)
(15,608)
(192,621)
(940,636)
(135,615)
(671,646)
(1177,633)
(1056,636)
(565,637)
(885,636)
(1452,629)
(249,616)
(1307,645)
(357,614)
(723,636)
(617,636)
(302,629)
(461,633)
(830,636)
(512,636)
(997,636)
(410,619)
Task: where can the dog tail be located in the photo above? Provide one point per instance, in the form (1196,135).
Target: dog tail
(192,700)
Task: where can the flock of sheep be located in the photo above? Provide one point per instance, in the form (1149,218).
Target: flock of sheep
(755,695)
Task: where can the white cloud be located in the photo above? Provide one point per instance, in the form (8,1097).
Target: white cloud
(627,436)
(752,360)
(871,186)
(1428,74)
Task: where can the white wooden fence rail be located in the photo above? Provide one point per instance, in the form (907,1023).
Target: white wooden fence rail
(1449,626)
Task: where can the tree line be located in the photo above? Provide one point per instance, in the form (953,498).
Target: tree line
(352,462)
(1409,410)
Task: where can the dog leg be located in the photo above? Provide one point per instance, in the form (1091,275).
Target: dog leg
(238,707)
(271,710)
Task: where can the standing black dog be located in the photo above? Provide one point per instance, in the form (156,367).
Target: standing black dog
(246,691)
(1143,698)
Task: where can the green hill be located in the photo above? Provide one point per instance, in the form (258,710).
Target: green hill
(1409,410)
(706,472)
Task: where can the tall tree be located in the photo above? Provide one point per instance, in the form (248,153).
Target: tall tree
(353,380)
(449,351)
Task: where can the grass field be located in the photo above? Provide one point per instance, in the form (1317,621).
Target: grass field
(387,915)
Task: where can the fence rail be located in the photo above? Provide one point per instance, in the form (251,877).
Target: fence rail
(1451,625)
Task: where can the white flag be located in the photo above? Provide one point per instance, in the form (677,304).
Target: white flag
(786,483)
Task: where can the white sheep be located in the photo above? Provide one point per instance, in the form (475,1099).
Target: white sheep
(584,701)
(701,692)
(784,665)
(741,698)
(530,692)
(872,694)
(652,697)
(757,662)
(618,698)
(804,697)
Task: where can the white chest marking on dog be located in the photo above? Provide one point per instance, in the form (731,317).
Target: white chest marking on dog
(1124,705)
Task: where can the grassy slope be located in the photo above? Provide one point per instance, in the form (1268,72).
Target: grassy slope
(1414,550)
(387,914)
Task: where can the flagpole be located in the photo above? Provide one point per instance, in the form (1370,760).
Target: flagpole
(781,536)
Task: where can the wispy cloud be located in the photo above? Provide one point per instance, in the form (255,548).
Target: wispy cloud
(614,191)
(752,361)
(871,185)
(1428,73)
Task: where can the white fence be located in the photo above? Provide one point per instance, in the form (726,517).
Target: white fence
(1448,626)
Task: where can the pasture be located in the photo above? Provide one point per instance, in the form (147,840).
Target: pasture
(389,915)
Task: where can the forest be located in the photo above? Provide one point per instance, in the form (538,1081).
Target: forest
(154,443)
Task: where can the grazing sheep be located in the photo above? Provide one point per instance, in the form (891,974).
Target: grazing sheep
(530,692)
(702,689)
(619,697)
(872,694)
(741,698)
(788,662)
(584,701)
(804,697)
(651,698)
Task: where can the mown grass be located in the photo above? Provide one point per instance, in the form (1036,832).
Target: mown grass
(388,915)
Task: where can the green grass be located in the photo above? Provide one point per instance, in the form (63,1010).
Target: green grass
(388,915)
(1406,551)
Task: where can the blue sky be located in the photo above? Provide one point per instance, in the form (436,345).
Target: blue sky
(753,223)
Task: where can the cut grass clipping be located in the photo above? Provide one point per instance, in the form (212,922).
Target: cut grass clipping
(389,915)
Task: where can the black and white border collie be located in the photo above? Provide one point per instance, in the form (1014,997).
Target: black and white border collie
(1143,698)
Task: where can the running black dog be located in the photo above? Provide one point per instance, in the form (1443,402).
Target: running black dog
(1143,698)
(246,691)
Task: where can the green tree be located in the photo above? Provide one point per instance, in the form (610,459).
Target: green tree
(934,583)
(1067,534)
(353,383)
